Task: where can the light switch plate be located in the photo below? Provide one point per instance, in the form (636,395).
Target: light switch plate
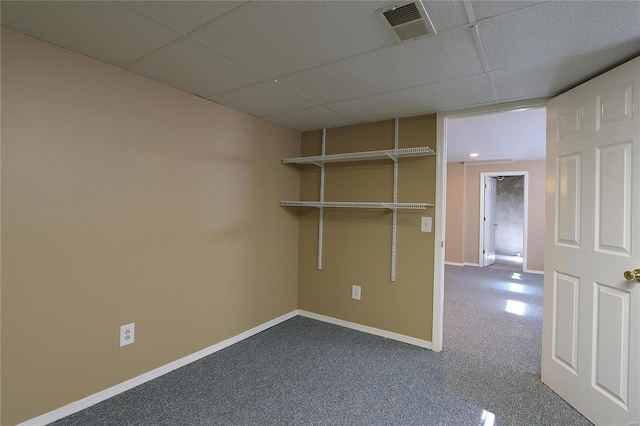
(426,224)
(356,292)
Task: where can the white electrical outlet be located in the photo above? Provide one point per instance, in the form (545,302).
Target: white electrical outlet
(355,292)
(127,334)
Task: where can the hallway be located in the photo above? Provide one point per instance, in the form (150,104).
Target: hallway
(493,330)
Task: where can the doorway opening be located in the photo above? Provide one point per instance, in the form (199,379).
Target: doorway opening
(468,166)
(504,198)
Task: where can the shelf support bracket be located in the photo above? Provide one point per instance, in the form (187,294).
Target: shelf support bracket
(395,201)
(321,216)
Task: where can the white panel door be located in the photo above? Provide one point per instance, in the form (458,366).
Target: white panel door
(489,222)
(591,320)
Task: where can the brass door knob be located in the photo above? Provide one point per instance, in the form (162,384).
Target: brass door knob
(632,275)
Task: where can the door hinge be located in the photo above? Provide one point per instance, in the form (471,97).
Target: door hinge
(485,219)
(483,252)
(485,186)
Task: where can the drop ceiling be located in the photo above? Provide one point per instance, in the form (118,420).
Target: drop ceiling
(312,64)
(505,137)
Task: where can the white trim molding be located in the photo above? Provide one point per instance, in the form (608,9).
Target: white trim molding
(366,329)
(439,237)
(91,400)
(453,263)
(533,271)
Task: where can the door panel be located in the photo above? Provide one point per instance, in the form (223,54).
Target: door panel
(591,319)
(569,122)
(613,208)
(615,107)
(565,319)
(568,178)
(611,349)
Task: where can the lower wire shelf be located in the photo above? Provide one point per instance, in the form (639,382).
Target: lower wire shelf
(357,205)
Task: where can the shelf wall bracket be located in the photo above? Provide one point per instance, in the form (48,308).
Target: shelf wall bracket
(395,201)
(321,218)
(393,157)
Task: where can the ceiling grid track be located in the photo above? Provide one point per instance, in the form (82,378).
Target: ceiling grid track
(191,35)
(471,16)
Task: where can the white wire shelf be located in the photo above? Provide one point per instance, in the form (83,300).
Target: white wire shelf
(357,205)
(318,160)
(386,154)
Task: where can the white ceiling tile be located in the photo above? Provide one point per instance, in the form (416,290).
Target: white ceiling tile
(379,107)
(262,99)
(458,93)
(558,29)
(446,14)
(423,61)
(493,135)
(186,16)
(555,76)
(109,31)
(194,67)
(441,96)
(277,38)
(486,8)
(310,118)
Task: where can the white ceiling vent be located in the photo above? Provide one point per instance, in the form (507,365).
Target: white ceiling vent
(406,20)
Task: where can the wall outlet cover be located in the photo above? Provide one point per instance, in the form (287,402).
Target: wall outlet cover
(127,334)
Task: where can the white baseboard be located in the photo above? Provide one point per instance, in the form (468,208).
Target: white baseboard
(87,402)
(533,271)
(91,400)
(471,264)
(453,263)
(365,328)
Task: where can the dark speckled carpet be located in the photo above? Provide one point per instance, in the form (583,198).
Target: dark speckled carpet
(307,372)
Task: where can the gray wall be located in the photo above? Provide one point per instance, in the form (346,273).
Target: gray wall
(510,215)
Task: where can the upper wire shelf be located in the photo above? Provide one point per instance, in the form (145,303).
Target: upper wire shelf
(318,160)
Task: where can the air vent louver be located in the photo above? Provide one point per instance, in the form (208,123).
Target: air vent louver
(403,15)
(406,20)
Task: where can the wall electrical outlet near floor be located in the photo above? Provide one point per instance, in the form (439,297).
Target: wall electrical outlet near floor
(127,334)
(355,292)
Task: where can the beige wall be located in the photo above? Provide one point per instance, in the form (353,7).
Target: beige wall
(357,243)
(454,247)
(470,222)
(124,200)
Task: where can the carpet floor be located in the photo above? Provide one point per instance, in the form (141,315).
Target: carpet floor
(304,371)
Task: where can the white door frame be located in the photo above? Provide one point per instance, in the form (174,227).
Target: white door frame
(441,200)
(526,213)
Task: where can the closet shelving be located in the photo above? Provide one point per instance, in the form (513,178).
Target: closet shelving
(356,205)
(394,155)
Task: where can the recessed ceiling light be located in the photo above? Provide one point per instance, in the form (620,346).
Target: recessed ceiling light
(474,154)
